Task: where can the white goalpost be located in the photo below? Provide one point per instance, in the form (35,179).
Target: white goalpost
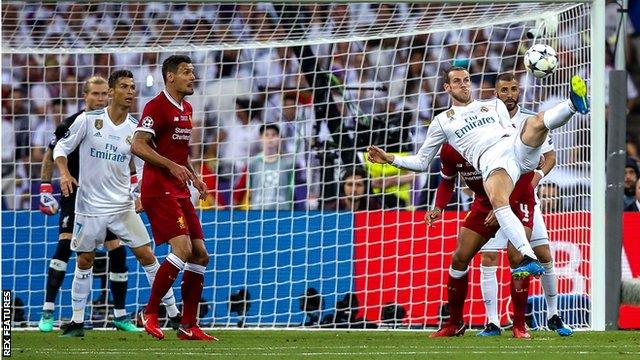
(288,96)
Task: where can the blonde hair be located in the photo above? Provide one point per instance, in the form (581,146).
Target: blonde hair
(91,81)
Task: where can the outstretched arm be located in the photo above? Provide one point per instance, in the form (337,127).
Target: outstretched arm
(418,162)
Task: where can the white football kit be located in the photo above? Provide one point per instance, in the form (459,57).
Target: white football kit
(539,235)
(103,200)
(483,133)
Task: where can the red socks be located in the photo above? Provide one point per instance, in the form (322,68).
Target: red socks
(165,277)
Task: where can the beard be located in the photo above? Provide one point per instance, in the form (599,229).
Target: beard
(462,97)
(510,104)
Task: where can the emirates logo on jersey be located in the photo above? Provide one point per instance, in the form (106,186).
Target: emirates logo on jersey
(147,122)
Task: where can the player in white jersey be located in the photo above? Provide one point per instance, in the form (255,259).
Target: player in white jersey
(104,200)
(507,89)
(482,132)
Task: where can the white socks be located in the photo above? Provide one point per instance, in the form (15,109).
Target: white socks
(80,290)
(550,287)
(48,306)
(489,286)
(514,230)
(558,115)
(169,299)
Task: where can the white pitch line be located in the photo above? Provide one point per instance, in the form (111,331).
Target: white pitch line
(334,353)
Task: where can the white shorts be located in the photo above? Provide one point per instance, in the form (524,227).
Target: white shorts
(89,231)
(500,156)
(539,235)
(527,157)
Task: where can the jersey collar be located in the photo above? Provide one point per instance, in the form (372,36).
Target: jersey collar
(172,100)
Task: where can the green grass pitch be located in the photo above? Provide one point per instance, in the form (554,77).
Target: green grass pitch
(269,344)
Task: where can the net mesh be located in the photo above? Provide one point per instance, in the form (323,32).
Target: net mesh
(280,221)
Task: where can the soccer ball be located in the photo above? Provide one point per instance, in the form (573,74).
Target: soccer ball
(541,60)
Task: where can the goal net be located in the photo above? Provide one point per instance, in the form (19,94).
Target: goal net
(301,228)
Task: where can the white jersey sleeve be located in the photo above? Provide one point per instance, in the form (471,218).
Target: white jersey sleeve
(421,161)
(74,136)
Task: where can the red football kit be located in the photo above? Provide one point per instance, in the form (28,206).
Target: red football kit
(522,198)
(165,199)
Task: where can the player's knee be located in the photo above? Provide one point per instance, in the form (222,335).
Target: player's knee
(144,254)
(118,260)
(489,259)
(460,261)
(63,250)
(85,260)
(203,259)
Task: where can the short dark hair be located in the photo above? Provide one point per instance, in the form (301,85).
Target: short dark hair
(265,127)
(505,77)
(445,73)
(113,78)
(171,64)
(354,171)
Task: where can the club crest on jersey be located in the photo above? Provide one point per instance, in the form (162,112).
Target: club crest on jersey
(182,223)
(484,109)
(147,122)
(450,113)
(128,139)
(98,124)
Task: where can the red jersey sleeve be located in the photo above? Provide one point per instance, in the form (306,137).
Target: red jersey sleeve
(444,192)
(448,173)
(151,120)
(448,168)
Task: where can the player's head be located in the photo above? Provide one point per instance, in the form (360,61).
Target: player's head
(457,83)
(354,182)
(178,74)
(508,90)
(96,93)
(270,136)
(122,88)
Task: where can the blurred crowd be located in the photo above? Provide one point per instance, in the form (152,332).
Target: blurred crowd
(260,140)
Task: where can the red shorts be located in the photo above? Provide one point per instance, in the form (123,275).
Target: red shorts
(171,217)
(522,203)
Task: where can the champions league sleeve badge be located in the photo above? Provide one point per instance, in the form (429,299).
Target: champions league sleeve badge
(147,122)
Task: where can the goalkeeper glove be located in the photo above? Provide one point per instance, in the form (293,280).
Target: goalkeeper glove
(48,204)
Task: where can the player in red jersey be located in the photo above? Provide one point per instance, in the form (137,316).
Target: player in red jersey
(162,141)
(479,226)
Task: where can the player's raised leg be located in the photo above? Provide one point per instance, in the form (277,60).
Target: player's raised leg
(499,185)
(536,128)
